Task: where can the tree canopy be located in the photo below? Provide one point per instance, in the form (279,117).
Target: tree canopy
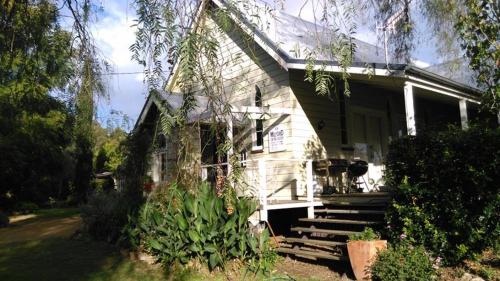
(49,78)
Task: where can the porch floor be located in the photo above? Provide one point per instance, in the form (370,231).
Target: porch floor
(350,199)
(354,199)
(288,204)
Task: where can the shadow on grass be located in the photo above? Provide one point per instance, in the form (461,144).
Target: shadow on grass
(63,259)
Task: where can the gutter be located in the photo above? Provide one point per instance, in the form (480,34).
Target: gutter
(441,79)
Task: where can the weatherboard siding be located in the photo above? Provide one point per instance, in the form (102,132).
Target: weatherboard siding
(247,65)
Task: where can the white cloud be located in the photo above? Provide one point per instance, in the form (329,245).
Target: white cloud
(114,35)
(114,32)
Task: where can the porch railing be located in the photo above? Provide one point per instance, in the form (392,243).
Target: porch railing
(276,182)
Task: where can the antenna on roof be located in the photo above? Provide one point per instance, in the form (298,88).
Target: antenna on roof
(389,25)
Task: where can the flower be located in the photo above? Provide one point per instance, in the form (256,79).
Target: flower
(402,236)
(437,263)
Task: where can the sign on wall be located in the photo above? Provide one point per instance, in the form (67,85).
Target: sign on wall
(277,139)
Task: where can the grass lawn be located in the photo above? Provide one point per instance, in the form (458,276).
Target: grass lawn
(39,248)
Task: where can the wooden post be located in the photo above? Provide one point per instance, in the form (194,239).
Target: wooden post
(463,114)
(410,110)
(310,189)
(263,190)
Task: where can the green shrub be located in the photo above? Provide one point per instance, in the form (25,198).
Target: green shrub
(178,226)
(403,263)
(368,234)
(4,219)
(27,207)
(446,194)
(105,215)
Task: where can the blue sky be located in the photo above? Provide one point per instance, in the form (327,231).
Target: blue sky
(114,34)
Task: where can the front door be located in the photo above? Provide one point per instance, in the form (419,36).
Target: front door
(369,139)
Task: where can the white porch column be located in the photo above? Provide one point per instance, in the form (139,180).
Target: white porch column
(263,189)
(463,113)
(230,140)
(309,189)
(410,110)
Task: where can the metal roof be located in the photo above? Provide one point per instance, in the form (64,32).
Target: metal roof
(292,37)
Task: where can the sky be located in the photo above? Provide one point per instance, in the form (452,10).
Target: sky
(114,34)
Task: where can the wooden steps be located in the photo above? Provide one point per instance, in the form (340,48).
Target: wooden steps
(341,221)
(350,211)
(325,236)
(323,231)
(314,255)
(307,241)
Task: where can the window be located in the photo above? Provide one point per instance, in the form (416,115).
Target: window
(259,132)
(258,143)
(258,96)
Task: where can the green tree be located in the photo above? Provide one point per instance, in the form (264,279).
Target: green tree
(479,30)
(108,154)
(40,61)
(35,128)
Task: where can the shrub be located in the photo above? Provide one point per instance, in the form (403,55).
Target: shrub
(4,219)
(368,234)
(403,263)
(27,207)
(104,215)
(446,194)
(179,226)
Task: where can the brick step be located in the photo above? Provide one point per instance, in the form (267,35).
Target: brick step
(349,211)
(341,221)
(313,242)
(324,231)
(314,255)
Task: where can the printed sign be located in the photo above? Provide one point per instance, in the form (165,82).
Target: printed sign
(277,139)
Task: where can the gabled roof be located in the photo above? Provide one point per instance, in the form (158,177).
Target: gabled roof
(286,38)
(295,37)
(173,102)
(281,35)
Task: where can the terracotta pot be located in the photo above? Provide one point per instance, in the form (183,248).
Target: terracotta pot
(362,254)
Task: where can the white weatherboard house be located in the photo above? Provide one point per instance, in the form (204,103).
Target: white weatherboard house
(294,144)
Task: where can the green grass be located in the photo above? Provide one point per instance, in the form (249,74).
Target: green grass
(58,258)
(57,212)
(64,259)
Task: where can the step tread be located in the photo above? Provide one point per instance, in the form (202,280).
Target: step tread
(355,204)
(312,241)
(310,254)
(326,231)
(340,221)
(350,211)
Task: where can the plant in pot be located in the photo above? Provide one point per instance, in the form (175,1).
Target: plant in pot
(363,248)
(148,183)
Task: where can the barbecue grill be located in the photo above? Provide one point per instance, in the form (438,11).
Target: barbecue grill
(357,168)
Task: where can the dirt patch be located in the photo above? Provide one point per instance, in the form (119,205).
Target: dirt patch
(40,229)
(302,270)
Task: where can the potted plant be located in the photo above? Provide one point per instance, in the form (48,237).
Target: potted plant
(362,249)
